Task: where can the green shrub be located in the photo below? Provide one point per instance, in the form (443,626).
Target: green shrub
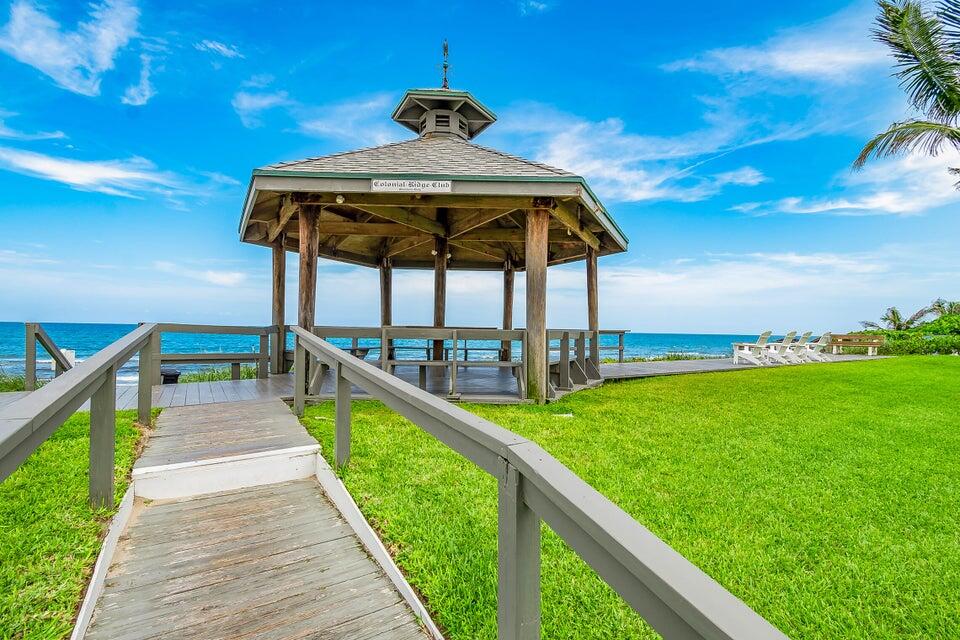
(921,345)
(219,373)
(946,325)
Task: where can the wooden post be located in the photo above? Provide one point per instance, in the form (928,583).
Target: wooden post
(386,300)
(157,345)
(439,291)
(30,361)
(103,423)
(518,562)
(341,440)
(279,312)
(593,317)
(508,279)
(144,386)
(538,225)
(234,370)
(307,296)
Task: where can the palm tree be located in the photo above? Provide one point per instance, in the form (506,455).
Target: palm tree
(926,47)
(941,307)
(894,320)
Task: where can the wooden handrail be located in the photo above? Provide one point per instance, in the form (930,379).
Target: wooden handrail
(673,596)
(36,333)
(26,423)
(262,357)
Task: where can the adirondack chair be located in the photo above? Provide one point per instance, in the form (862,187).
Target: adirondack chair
(814,352)
(795,351)
(752,352)
(777,351)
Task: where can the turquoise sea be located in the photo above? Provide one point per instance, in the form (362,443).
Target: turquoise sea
(86,339)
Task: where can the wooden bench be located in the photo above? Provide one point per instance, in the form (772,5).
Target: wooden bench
(871,342)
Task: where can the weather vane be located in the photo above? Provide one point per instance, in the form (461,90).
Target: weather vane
(446,64)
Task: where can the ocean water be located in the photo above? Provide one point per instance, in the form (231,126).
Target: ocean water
(86,339)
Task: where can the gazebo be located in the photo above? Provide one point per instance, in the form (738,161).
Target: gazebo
(438,201)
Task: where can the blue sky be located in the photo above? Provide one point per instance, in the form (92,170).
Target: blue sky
(719,136)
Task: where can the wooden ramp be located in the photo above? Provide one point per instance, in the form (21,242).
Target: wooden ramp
(275,560)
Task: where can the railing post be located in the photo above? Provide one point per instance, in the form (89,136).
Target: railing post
(157,358)
(384,350)
(518,561)
(564,382)
(299,376)
(341,441)
(30,362)
(620,347)
(595,348)
(263,364)
(103,424)
(276,351)
(144,386)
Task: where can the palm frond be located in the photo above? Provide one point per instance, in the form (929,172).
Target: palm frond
(928,66)
(949,13)
(867,324)
(911,135)
(913,320)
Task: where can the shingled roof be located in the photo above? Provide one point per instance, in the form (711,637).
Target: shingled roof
(447,156)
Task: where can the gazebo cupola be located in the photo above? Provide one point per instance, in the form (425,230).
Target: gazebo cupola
(438,201)
(432,112)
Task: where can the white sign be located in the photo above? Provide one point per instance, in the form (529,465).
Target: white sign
(415,186)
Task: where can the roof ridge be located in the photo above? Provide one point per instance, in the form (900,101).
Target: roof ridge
(287,163)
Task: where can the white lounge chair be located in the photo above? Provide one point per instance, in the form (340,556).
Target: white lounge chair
(795,351)
(777,351)
(752,352)
(814,352)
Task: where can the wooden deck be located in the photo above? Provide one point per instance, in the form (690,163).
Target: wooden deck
(274,561)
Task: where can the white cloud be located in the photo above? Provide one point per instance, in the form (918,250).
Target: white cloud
(131,178)
(210,276)
(75,60)
(249,106)
(363,121)
(909,185)
(219,48)
(139,94)
(10,256)
(14,134)
(633,167)
(834,50)
(258,81)
(528,7)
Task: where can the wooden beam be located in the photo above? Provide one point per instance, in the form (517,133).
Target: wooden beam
(284,214)
(593,315)
(307,296)
(481,248)
(386,293)
(398,247)
(450,201)
(475,219)
(403,216)
(279,294)
(571,220)
(555,236)
(508,281)
(538,226)
(368,229)
(439,291)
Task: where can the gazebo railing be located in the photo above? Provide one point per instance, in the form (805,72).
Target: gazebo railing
(261,357)
(675,597)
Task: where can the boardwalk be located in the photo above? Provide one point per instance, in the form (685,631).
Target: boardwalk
(271,561)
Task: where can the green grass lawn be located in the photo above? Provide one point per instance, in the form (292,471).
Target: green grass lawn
(49,535)
(827,497)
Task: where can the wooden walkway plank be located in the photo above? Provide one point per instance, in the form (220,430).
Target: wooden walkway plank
(274,562)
